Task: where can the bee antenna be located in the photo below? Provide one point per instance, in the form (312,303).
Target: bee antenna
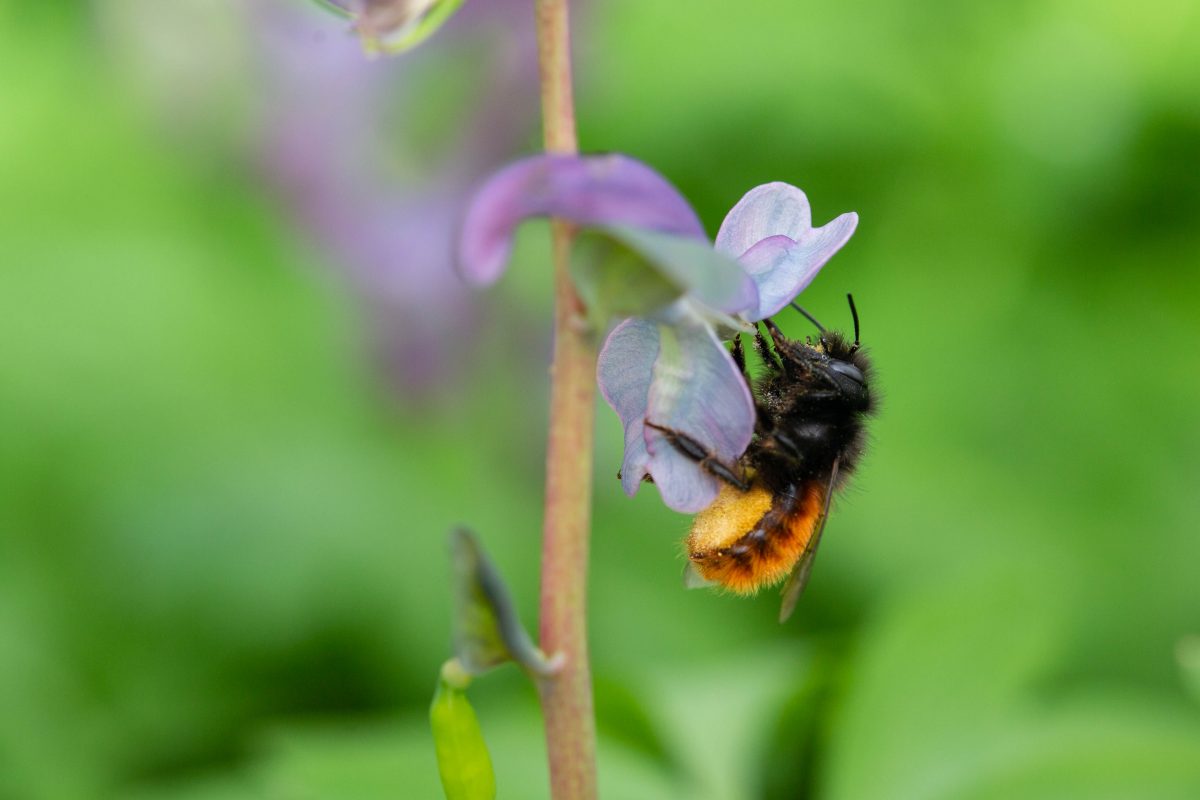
(809,317)
(853,313)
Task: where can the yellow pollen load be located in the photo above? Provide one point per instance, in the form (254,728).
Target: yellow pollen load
(733,514)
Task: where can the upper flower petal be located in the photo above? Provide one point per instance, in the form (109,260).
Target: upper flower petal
(783,267)
(770,231)
(772,209)
(589,190)
(678,376)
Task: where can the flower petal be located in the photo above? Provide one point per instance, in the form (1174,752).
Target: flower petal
(679,376)
(624,371)
(782,267)
(772,209)
(697,390)
(589,190)
(770,232)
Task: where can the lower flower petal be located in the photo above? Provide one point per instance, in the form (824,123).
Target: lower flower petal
(624,371)
(677,376)
(697,391)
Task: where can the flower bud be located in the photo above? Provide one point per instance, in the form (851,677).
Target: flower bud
(393,26)
(463,759)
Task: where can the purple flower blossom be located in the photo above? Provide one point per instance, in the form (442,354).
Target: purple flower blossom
(666,365)
(379,203)
(349,149)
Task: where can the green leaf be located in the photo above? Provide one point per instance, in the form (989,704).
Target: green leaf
(487,631)
(462,754)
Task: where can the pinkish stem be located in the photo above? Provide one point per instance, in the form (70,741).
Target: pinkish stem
(566,697)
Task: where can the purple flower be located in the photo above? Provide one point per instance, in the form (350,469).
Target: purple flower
(348,148)
(665,364)
(375,200)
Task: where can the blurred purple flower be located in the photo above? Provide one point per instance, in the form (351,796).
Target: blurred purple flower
(342,141)
(667,366)
(372,160)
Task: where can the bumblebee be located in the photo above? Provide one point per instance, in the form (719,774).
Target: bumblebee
(811,404)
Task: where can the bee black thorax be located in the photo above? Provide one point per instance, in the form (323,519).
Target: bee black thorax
(812,405)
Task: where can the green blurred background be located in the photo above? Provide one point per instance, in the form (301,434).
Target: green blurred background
(223,511)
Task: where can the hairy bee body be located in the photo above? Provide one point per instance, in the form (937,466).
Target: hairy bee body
(812,404)
(747,540)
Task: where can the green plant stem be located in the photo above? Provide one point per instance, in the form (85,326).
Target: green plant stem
(567,696)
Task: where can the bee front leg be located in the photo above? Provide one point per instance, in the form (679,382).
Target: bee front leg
(697,452)
(792,355)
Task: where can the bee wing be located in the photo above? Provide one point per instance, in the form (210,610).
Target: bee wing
(692,579)
(803,569)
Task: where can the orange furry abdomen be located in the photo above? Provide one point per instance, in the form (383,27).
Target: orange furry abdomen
(747,540)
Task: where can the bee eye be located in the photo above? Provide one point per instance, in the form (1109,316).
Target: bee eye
(849,370)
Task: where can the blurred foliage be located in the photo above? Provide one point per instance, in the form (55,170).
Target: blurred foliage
(222,560)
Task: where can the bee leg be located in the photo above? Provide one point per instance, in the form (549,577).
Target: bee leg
(739,357)
(781,444)
(787,350)
(825,394)
(764,350)
(696,452)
